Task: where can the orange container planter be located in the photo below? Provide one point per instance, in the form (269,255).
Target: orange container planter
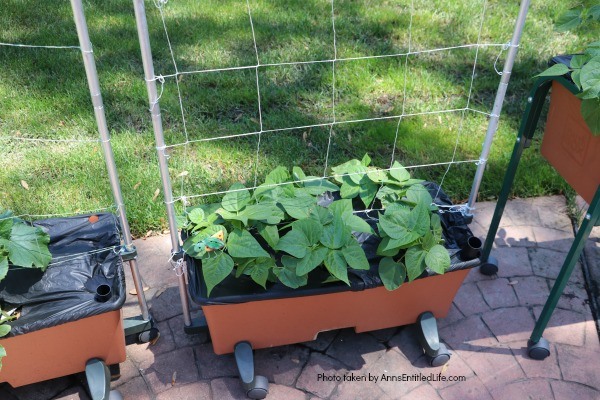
(63,349)
(277,322)
(568,143)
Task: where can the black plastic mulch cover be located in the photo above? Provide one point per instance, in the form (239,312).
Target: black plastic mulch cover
(84,256)
(243,289)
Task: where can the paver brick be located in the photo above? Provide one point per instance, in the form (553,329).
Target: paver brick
(495,367)
(406,343)
(513,261)
(471,389)
(227,389)
(565,326)
(454,315)
(422,392)
(383,335)
(573,390)
(322,341)
(498,293)
(281,365)
(192,391)
(183,339)
(553,239)
(469,300)
(569,359)
(356,351)
(547,263)
(455,367)
(146,352)
(535,389)
(356,390)
(548,368)
(285,393)
(73,393)
(136,389)
(392,365)
(128,372)
(177,367)
(531,290)
(212,365)
(469,336)
(515,236)
(320,364)
(167,305)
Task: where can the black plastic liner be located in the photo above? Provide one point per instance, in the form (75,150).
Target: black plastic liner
(234,290)
(84,256)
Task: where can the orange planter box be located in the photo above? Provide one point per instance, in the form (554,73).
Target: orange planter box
(277,322)
(63,349)
(568,143)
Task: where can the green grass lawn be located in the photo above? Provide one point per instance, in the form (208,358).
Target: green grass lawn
(43,94)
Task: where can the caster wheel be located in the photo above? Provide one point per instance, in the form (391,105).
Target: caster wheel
(489,267)
(442,357)
(259,389)
(115,395)
(150,336)
(539,350)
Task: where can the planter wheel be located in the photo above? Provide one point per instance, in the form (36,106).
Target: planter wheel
(150,336)
(256,386)
(115,395)
(489,267)
(441,359)
(539,350)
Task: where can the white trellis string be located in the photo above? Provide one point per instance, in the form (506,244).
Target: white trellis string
(502,50)
(410,52)
(34,46)
(357,58)
(260,119)
(462,118)
(332,89)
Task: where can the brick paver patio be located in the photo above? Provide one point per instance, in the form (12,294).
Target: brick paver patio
(487,331)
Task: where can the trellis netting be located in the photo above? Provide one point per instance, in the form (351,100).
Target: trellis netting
(236,88)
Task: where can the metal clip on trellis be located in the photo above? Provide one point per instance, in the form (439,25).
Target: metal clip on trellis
(537,347)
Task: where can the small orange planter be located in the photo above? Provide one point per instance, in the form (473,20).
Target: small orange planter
(63,349)
(568,143)
(277,322)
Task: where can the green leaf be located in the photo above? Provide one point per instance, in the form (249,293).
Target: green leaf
(415,262)
(259,270)
(6,226)
(366,160)
(418,220)
(4,330)
(349,189)
(576,77)
(429,240)
(399,173)
(298,174)
(357,224)
(28,246)
(392,273)
(355,255)
(341,208)
(215,269)
(241,244)
(590,110)
(555,70)
(232,216)
(268,212)
(590,77)
(569,20)
(278,175)
(196,215)
(419,194)
(298,207)
(368,190)
(386,249)
(294,242)
(335,235)
(399,226)
(376,175)
(436,226)
(336,265)
(317,186)
(578,61)
(594,12)
(593,49)
(3,267)
(310,228)
(269,233)
(321,215)
(311,260)
(237,198)
(437,259)
(288,276)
